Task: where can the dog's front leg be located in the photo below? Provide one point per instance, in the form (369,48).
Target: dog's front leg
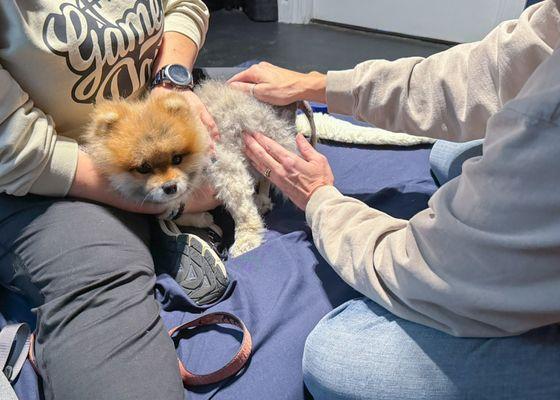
(235,188)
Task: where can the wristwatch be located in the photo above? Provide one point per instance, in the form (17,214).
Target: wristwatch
(175,75)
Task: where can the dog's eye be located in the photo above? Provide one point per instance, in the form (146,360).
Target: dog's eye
(145,168)
(177,159)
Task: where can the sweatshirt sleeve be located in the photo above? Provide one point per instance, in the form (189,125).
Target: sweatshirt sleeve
(482,260)
(189,17)
(33,158)
(449,95)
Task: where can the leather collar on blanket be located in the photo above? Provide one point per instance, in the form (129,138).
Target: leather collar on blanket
(236,363)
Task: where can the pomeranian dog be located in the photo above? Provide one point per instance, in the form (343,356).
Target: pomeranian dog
(156,150)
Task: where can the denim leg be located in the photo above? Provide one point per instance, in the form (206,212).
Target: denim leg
(88,269)
(362,351)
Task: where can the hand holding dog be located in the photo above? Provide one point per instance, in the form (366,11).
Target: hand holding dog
(297,177)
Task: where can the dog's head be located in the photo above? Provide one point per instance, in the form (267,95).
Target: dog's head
(153,150)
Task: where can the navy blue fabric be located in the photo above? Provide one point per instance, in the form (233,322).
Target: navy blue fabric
(283,288)
(531,2)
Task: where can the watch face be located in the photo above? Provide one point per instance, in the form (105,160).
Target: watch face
(179,75)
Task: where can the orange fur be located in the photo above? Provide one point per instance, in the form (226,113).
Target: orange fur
(124,135)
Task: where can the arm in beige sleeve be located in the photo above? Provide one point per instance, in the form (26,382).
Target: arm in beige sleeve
(482,260)
(449,95)
(33,158)
(188,17)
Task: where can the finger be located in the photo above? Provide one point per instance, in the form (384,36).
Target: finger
(270,173)
(307,151)
(251,75)
(256,153)
(211,126)
(212,131)
(242,86)
(290,165)
(256,90)
(278,152)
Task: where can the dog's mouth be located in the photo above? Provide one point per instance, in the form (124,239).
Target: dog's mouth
(159,195)
(162,198)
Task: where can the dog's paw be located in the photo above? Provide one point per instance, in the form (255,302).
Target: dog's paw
(173,211)
(264,204)
(245,242)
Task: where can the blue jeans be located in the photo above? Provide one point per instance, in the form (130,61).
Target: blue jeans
(362,351)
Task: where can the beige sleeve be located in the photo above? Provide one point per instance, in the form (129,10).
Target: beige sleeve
(189,17)
(482,260)
(449,95)
(33,158)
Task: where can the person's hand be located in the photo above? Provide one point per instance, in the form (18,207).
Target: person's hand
(280,86)
(203,199)
(297,177)
(198,107)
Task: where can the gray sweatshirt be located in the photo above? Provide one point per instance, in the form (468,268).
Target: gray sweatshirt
(57,58)
(484,258)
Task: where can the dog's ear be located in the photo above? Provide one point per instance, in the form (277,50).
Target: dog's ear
(175,103)
(105,116)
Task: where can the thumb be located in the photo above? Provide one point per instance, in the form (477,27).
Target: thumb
(307,151)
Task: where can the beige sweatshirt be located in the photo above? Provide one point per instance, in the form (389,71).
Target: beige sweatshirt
(57,58)
(484,258)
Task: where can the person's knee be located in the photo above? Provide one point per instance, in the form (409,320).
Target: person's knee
(360,351)
(76,246)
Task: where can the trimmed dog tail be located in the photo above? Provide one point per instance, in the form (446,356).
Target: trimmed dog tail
(326,127)
(308,112)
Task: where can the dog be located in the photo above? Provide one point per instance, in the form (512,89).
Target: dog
(157,150)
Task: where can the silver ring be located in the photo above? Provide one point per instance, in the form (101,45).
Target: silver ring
(267,172)
(252,90)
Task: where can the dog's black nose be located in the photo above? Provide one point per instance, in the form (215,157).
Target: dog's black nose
(169,188)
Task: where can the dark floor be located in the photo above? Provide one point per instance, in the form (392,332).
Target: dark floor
(234,39)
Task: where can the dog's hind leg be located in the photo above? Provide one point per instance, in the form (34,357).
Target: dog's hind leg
(235,188)
(262,198)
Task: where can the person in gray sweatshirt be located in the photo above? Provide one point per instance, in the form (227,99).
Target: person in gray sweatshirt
(482,261)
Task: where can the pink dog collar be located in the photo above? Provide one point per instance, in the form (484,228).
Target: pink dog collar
(231,368)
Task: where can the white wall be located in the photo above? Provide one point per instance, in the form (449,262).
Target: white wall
(295,11)
(452,20)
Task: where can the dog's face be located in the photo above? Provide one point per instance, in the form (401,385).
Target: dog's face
(152,150)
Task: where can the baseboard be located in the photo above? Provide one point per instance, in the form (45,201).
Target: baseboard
(381,32)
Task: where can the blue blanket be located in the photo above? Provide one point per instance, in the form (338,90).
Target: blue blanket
(282,289)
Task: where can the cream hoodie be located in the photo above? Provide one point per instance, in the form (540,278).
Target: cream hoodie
(484,258)
(57,58)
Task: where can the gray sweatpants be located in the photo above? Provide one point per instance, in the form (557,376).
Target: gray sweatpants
(89,272)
